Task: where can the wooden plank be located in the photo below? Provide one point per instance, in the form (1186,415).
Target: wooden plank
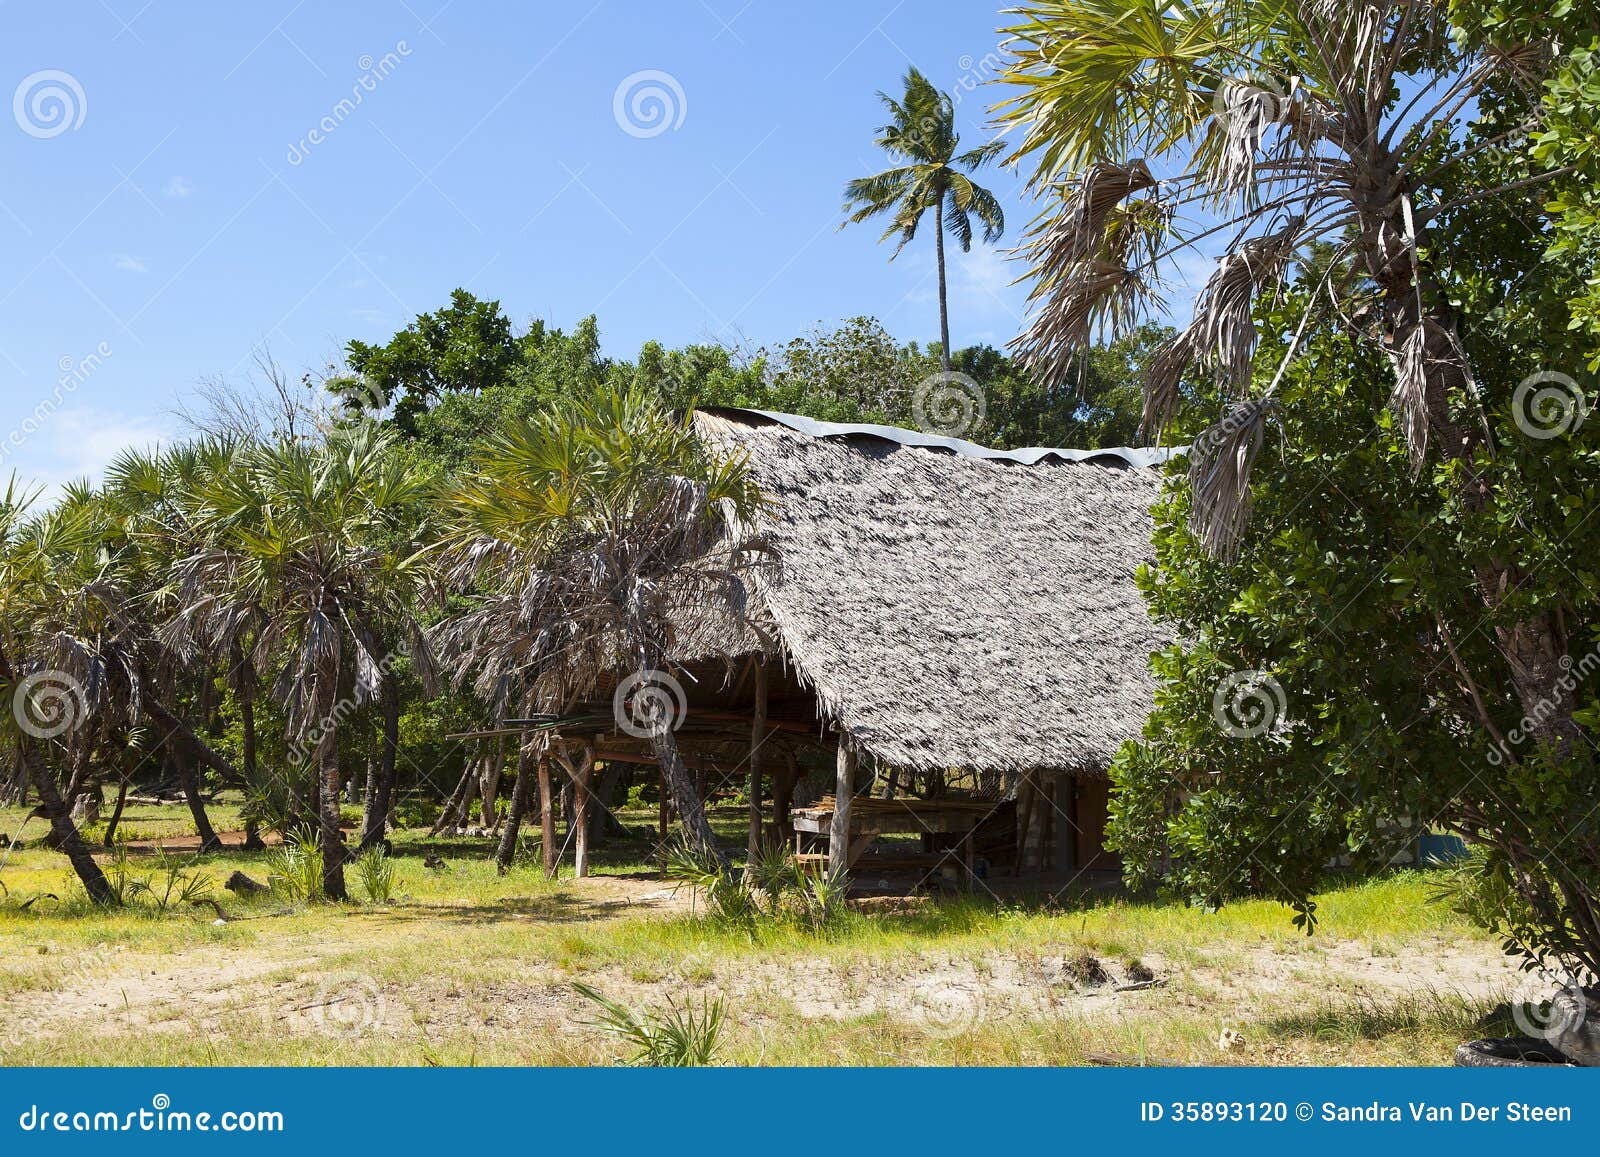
(844,793)
(547,816)
(758,737)
(581,802)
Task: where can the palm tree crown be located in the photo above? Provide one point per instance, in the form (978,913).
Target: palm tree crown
(922,133)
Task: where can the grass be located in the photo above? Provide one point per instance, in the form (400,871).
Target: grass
(463,965)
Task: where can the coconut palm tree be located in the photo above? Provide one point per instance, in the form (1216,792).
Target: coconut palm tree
(577,534)
(922,133)
(1282,127)
(315,542)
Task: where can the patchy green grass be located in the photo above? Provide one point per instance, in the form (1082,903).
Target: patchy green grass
(468,966)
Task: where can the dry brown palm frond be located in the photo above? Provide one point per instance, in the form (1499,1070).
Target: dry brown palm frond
(1162,378)
(1078,233)
(1223,330)
(1219,477)
(1409,401)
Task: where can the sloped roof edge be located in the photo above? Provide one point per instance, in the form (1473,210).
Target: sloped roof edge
(1135,456)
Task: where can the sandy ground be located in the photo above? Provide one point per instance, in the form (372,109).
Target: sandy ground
(298,984)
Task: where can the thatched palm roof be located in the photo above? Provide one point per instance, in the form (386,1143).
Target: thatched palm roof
(953,610)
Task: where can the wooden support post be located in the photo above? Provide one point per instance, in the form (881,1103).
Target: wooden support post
(758,737)
(547,817)
(581,800)
(783,797)
(839,829)
(661,780)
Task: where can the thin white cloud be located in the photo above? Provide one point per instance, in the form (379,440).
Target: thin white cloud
(177,188)
(128,263)
(79,443)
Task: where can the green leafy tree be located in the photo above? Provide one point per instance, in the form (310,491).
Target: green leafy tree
(1341,140)
(921,133)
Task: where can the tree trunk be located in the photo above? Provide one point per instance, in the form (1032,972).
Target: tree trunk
(327,752)
(547,817)
(64,833)
(1533,646)
(944,302)
(110,838)
(189,773)
(758,739)
(489,788)
(520,792)
(246,675)
(374,823)
(685,795)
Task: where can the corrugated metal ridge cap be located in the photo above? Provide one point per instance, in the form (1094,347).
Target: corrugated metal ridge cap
(1136,456)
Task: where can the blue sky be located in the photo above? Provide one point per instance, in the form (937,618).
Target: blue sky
(164,206)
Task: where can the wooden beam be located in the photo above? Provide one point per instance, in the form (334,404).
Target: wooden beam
(839,829)
(758,737)
(547,817)
(581,800)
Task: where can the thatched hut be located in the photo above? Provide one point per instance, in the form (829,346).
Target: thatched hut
(930,609)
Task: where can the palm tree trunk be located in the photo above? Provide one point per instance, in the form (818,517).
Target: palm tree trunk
(332,790)
(373,823)
(246,676)
(685,795)
(520,793)
(944,302)
(1534,645)
(110,838)
(547,818)
(63,832)
(189,774)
